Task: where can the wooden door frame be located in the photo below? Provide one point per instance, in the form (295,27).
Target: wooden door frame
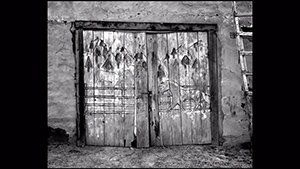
(77,28)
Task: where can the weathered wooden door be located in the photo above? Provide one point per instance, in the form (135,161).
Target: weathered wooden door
(116,109)
(152,89)
(179,86)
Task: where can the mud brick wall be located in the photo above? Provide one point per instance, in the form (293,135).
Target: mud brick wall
(234,120)
(61,69)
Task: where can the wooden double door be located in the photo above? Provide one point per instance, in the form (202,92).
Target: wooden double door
(146,89)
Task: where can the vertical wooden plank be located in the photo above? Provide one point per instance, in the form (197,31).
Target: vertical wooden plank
(164,93)
(101,81)
(142,119)
(159,74)
(184,71)
(121,62)
(92,96)
(214,85)
(75,39)
(175,90)
(205,91)
(195,82)
(150,60)
(129,89)
(109,75)
(81,133)
(116,101)
(99,114)
(248,65)
(118,87)
(89,83)
(152,53)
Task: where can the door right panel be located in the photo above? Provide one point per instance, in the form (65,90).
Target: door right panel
(180,87)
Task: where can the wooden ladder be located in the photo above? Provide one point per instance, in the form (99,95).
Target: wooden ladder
(240,45)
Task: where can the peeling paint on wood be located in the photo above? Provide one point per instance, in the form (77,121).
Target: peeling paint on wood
(174,89)
(109,75)
(205,91)
(89,81)
(193,43)
(119,82)
(152,52)
(142,122)
(184,91)
(156,83)
(99,118)
(129,86)
(163,91)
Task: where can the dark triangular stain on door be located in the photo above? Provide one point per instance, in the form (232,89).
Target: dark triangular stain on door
(185,61)
(88,64)
(108,65)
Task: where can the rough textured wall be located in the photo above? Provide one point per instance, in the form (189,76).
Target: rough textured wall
(61,68)
(61,90)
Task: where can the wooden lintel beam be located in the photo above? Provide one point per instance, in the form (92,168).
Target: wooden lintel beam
(143,26)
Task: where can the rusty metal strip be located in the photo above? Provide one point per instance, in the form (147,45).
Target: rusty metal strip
(108,104)
(109,112)
(109,88)
(109,96)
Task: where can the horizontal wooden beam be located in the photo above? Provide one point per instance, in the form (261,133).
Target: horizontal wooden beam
(246,53)
(249,93)
(143,26)
(244,14)
(245,33)
(249,74)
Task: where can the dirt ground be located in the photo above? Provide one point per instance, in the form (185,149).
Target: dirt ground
(188,156)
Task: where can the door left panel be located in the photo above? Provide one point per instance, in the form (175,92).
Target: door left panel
(109,88)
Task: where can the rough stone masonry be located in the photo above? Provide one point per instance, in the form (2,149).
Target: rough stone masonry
(234,120)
